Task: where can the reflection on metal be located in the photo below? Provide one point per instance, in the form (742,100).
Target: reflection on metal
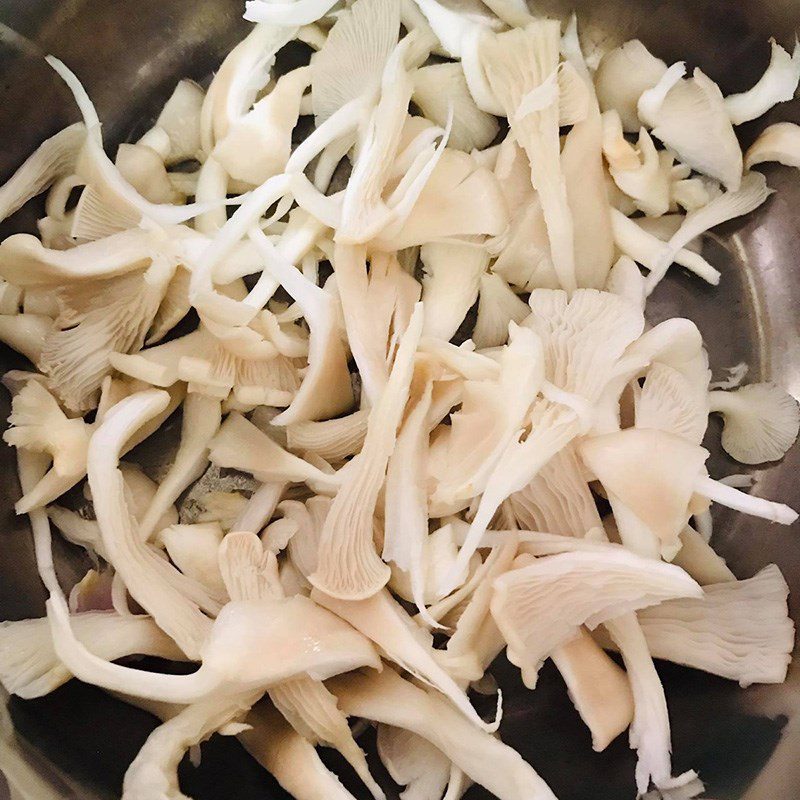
(754,299)
(11,39)
(26,774)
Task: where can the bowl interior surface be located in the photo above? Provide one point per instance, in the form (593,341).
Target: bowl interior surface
(744,743)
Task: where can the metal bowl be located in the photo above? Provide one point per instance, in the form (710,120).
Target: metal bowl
(745,744)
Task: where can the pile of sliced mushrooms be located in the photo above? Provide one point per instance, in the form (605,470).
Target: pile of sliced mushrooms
(424,417)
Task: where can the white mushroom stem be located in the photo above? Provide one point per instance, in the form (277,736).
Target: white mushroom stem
(201,420)
(289,757)
(387,698)
(154,771)
(728,496)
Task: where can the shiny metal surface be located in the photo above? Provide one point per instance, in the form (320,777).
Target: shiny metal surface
(745,744)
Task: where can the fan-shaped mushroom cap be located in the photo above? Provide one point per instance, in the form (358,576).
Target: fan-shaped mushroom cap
(651,472)
(761,421)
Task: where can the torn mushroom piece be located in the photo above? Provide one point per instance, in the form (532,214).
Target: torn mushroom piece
(778,84)
(463,455)
(176,133)
(669,401)
(154,771)
(244,366)
(460,36)
(638,172)
(658,493)
(243,73)
(176,601)
(438,85)
(461,198)
(334,439)
(438,553)
(193,550)
(498,306)
(623,74)
(690,117)
(104,178)
(251,573)
(348,566)
(595,588)
(174,306)
(384,621)
(779,142)
(752,192)
(598,688)
(413,762)
(644,247)
(26,333)
(25,261)
(350,63)
(649,733)
(201,420)
(739,630)
(37,423)
(97,319)
(139,494)
(29,666)
(370,304)
(475,641)
(313,711)
(626,280)
(12,301)
(257,145)
(309,517)
(389,699)
(558,499)
(144,169)
(325,390)
(406,508)
(519,63)
(366,208)
(239,444)
(53,160)
(698,558)
(584,176)
(579,352)
(452,279)
(289,757)
(231,659)
(522,249)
